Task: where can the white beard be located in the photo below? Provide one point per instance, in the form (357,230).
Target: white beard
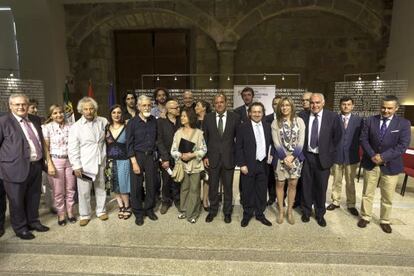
(146,114)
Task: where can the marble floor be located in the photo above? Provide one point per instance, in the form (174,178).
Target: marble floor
(175,247)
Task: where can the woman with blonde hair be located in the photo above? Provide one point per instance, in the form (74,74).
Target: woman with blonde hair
(288,132)
(61,178)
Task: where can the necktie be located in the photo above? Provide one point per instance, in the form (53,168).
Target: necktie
(345,120)
(383,127)
(314,141)
(220,125)
(260,147)
(33,138)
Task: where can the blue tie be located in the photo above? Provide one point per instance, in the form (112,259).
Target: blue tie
(314,141)
(383,128)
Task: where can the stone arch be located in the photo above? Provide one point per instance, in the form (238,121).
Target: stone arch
(358,12)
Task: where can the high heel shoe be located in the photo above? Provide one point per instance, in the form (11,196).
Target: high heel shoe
(62,222)
(290,218)
(72,219)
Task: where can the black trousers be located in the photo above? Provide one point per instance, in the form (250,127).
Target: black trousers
(2,205)
(141,206)
(170,190)
(254,188)
(24,199)
(314,185)
(271,183)
(226,176)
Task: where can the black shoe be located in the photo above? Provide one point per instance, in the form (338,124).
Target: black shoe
(206,208)
(38,227)
(321,222)
(25,235)
(332,207)
(362,223)
(296,205)
(152,216)
(72,219)
(227,218)
(139,220)
(264,221)
(164,208)
(245,222)
(386,228)
(305,218)
(270,202)
(1,231)
(62,222)
(353,211)
(210,217)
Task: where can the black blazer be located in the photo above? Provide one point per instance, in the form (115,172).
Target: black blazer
(269,118)
(15,149)
(246,145)
(165,136)
(221,147)
(329,137)
(241,110)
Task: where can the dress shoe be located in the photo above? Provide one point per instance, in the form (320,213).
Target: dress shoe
(1,231)
(210,217)
(152,216)
(362,223)
(305,218)
(270,202)
(353,211)
(104,216)
(38,227)
(245,222)
(164,208)
(84,222)
(139,221)
(332,207)
(25,235)
(264,221)
(386,228)
(227,218)
(321,222)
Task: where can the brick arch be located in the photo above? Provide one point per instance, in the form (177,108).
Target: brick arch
(366,18)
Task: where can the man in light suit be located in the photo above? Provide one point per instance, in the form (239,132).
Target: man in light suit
(252,142)
(346,156)
(220,132)
(21,163)
(247,95)
(384,138)
(321,139)
(87,155)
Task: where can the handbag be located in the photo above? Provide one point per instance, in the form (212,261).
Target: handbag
(178,172)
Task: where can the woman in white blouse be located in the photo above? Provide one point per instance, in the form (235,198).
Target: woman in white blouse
(61,178)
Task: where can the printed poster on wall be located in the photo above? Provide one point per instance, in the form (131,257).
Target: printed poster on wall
(262,93)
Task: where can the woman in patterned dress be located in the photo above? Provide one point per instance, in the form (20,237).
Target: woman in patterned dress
(288,132)
(118,167)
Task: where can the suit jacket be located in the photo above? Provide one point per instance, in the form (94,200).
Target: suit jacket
(15,149)
(241,110)
(269,118)
(221,147)
(394,143)
(347,151)
(165,136)
(246,145)
(329,136)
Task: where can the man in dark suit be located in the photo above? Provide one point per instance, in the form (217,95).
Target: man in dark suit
(21,163)
(2,201)
(346,156)
(247,95)
(271,182)
(321,139)
(384,138)
(220,132)
(166,129)
(252,142)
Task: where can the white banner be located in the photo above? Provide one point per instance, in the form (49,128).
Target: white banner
(262,93)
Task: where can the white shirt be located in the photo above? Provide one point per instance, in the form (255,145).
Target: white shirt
(260,140)
(387,122)
(224,118)
(86,145)
(311,118)
(33,154)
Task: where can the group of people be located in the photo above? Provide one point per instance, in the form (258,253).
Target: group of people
(186,155)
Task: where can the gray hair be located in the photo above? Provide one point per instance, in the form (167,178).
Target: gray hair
(143,98)
(18,95)
(85,100)
(320,95)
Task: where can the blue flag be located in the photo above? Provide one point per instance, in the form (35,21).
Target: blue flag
(111,95)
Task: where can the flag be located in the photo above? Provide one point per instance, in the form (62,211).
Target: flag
(90,90)
(69,115)
(111,95)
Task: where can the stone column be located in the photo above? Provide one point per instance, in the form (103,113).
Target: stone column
(226,63)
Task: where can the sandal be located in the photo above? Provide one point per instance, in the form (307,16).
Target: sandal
(182,216)
(121,212)
(127,212)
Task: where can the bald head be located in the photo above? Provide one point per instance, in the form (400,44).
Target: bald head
(188,98)
(306,100)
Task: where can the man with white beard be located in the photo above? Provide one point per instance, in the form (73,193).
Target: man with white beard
(141,145)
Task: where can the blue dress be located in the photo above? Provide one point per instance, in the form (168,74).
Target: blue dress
(116,152)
